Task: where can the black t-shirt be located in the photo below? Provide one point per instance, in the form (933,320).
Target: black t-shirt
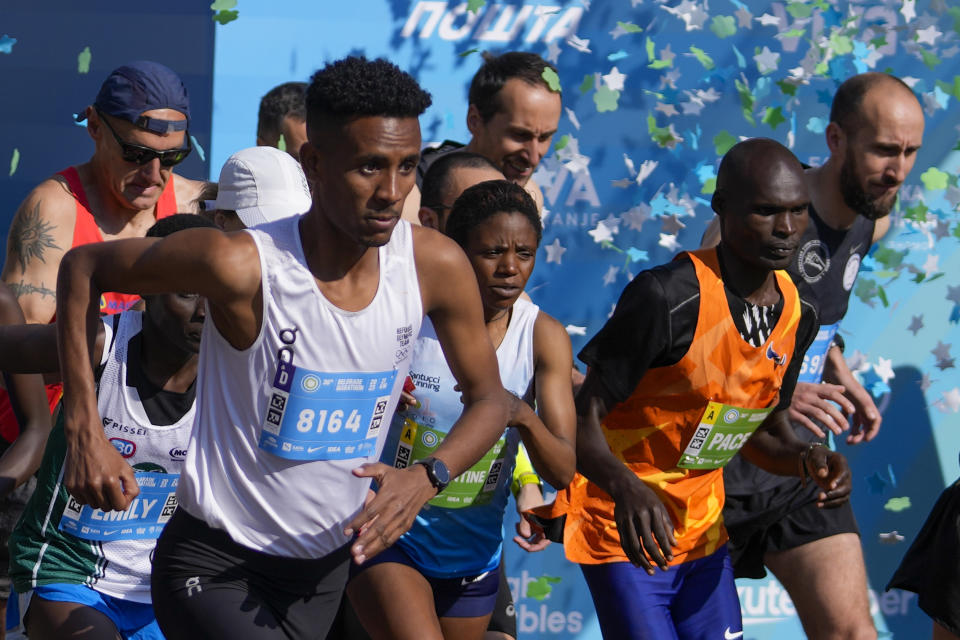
(655,320)
(826,264)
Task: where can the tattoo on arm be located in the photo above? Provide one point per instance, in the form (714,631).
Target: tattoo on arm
(30,237)
(25,289)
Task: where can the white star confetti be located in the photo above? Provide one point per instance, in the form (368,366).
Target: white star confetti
(614,80)
(555,251)
(669,241)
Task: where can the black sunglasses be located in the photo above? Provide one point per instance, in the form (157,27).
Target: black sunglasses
(138,154)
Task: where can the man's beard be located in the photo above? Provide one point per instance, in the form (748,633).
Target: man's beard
(855,197)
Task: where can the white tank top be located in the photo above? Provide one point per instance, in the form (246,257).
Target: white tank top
(281,424)
(459,532)
(124,565)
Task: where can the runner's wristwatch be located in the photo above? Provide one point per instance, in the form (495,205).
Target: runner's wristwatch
(437,472)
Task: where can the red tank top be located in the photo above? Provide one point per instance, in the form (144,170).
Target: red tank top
(85,231)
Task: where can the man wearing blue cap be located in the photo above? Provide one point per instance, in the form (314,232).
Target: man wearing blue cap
(139,124)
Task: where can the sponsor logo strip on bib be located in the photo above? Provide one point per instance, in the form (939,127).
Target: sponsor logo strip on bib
(475,486)
(143,519)
(315,415)
(722,431)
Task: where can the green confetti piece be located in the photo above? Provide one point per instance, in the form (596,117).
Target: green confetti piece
(889,258)
(935,276)
(823,5)
(865,289)
(787,88)
(468,52)
(956,231)
(709,186)
(223,5)
(651,54)
(606,99)
(799,10)
(917,213)
(540,588)
(83,60)
(562,142)
(723,26)
(879,41)
(953,90)
(661,135)
(929,58)
(473,6)
(551,78)
(629,27)
(897,504)
(223,17)
(587,83)
(606,244)
(821,69)
(883,296)
(746,100)
(773,117)
(655,94)
(660,64)
(723,141)
(282,143)
(955,12)
(841,44)
(702,57)
(793,33)
(14,161)
(934,179)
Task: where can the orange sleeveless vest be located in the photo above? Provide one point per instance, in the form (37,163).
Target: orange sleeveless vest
(85,231)
(650,429)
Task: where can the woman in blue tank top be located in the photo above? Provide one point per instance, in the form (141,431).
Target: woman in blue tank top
(439,580)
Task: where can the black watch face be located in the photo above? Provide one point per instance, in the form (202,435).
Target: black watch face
(441,473)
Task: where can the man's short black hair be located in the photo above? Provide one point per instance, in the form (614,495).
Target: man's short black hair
(178,222)
(287,99)
(436,181)
(356,87)
(496,70)
(486,199)
(847,101)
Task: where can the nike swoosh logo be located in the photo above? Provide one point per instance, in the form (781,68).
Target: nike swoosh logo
(729,635)
(312,449)
(468,581)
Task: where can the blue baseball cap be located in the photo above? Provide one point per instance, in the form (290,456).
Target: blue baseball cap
(142,86)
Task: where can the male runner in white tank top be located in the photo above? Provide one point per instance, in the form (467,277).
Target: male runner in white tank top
(307,343)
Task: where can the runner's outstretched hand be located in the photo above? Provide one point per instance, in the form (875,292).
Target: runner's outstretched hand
(830,471)
(646,531)
(816,402)
(400,495)
(96,474)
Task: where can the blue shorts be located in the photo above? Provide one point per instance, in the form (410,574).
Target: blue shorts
(461,597)
(691,601)
(134,620)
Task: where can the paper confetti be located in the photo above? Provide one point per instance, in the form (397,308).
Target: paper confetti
(890,538)
(555,251)
(473,6)
(897,504)
(606,99)
(224,17)
(551,78)
(83,60)
(282,143)
(14,161)
(6,44)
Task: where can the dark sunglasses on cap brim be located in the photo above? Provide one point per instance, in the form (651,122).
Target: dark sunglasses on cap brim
(139,154)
